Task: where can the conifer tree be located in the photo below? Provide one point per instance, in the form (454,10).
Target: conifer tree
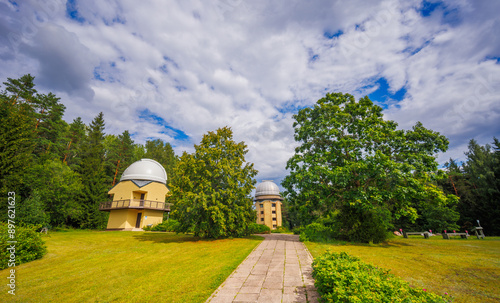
(93,175)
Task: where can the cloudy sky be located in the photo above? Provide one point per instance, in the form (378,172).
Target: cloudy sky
(176,69)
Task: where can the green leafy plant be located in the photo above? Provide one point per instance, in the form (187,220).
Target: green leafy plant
(344,278)
(170,225)
(29,246)
(255,228)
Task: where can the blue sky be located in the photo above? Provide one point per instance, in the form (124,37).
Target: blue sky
(174,70)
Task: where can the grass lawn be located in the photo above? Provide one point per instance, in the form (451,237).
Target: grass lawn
(469,270)
(93,266)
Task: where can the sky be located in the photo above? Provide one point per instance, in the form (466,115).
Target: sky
(174,70)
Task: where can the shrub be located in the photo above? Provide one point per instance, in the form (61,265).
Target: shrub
(169,225)
(298,230)
(280,230)
(344,278)
(255,228)
(316,232)
(29,246)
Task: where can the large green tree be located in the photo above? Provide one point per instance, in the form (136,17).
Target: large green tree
(481,170)
(93,175)
(17,136)
(359,169)
(211,188)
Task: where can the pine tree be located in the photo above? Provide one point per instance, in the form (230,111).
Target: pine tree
(93,175)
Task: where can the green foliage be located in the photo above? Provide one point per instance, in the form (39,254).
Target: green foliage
(29,246)
(32,211)
(256,228)
(280,230)
(59,188)
(163,153)
(344,278)
(211,189)
(355,166)
(170,225)
(477,184)
(16,135)
(92,171)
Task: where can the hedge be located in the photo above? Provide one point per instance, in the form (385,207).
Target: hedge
(344,278)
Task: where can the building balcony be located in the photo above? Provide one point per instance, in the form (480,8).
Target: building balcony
(134,204)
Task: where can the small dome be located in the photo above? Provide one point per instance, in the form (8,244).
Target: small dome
(267,188)
(145,169)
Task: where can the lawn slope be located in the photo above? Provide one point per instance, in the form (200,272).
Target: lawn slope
(469,270)
(91,266)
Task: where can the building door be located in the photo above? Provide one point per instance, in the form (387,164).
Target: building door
(138,222)
(142,200)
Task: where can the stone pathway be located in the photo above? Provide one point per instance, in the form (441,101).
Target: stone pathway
(278,270)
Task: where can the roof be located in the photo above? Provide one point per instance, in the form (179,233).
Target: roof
(147,170)
(267,188)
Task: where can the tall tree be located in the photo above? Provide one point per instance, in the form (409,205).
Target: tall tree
(93,174)
(16,135)
(119,154)
(356,167)
(163,153)
(211,189)
(75,137)
(481,170)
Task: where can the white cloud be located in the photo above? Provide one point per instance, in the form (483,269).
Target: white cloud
(200,66)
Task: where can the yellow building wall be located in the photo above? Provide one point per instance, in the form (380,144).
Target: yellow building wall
(153,217)
(127,218)
(267,214)
(117,219)
(124,190)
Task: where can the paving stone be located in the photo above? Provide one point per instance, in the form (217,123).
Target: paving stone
(276,271)
(270,295)
(246,298)
(250,290)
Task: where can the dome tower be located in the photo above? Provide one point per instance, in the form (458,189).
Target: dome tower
(138,200)
(268,204)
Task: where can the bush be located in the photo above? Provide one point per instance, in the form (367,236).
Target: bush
(359,225)
(169,225)
(298,230)
(344,278)
(280,230)
(316,232)
(255,228)
(29,246)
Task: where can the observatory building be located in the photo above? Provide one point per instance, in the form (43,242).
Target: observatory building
(268,204)
(138,200)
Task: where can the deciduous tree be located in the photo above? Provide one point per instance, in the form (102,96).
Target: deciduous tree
(356,167)
(212,186)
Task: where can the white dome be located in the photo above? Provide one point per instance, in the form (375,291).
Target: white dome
(145,169)
(267,188)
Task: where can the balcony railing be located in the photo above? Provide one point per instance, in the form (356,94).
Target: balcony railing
(134,203)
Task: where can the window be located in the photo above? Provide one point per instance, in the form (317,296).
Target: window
(274,204)
(261,205)
(274,226)
(274,219)
(261,212)
(261,219)
(274,211)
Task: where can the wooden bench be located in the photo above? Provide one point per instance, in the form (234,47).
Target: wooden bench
(423,233)
(462,235)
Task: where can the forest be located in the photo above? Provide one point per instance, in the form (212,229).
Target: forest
(61,171)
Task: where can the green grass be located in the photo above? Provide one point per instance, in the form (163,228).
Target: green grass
(469,270)
(92,266)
